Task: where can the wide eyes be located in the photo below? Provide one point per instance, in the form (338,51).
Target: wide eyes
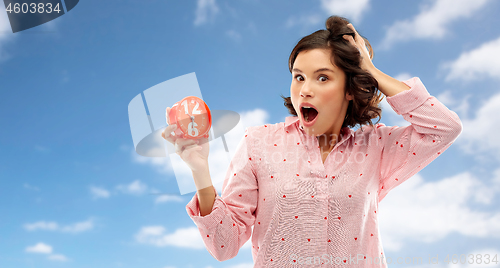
(321,78)
(299,77)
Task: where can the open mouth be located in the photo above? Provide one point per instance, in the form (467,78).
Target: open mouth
(309,113)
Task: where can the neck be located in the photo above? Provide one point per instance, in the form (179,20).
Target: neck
(328,140)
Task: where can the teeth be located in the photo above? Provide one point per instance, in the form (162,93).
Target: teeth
(306,115)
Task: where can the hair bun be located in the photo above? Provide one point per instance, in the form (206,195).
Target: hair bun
(337,25)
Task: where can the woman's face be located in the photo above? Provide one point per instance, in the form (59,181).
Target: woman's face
(321,84)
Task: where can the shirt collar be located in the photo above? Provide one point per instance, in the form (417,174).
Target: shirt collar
(294,121)
(289,120)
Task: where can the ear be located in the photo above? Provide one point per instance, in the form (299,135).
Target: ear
(349,96)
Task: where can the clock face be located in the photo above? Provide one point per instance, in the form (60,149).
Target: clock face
(193,117)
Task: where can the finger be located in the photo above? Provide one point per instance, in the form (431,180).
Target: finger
(350,39)
(186,142)
(191,147)
(353,29)
(359,39)
(188,151)
(167,133)
(202,140)
(166,115)
(180,145)
(352,42)
(178,148)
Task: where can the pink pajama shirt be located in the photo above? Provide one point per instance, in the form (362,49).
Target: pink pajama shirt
(301,212)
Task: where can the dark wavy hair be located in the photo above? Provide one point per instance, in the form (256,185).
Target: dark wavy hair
(359,83)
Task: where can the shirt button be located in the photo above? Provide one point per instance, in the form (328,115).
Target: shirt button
(311,172)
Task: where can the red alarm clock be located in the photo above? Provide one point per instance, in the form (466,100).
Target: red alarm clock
(192,117)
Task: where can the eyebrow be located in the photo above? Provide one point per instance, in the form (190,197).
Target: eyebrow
(317,71)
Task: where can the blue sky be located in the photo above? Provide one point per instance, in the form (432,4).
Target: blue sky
(75,194)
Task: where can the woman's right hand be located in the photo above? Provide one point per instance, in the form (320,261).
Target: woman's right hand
(194,152)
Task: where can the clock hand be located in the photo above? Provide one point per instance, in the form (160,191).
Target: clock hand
(192,118)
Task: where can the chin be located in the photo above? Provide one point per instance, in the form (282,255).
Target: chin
(312,131)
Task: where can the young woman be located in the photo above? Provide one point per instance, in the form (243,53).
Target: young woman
(310,186)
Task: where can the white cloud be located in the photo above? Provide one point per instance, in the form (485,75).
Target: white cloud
(437,209)
(64,76)
(77,227)
(476,64)
(496,180)
(248,244)
(42,225)
(46,249)
(58,257)
(433,21)
(303,20)
(236,36)
(40,248)
(479,136)
(390,117)
(352,10)
(447,97)
(183,237)
(30,187)
(136,187)
(205,11)
(98,192)
(403,76)
(161,164)
(168,198)
(252,28)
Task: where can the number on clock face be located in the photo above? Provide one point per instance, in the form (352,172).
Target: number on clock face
(191,128)
(195,109)
(192,131)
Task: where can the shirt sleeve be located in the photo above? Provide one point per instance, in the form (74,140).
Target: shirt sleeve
(229,225)
(409,149)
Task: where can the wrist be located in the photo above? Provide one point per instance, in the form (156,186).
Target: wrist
(202,178)
(201,170)
(376,73)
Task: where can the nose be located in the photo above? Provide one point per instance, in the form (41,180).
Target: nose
(306,91)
